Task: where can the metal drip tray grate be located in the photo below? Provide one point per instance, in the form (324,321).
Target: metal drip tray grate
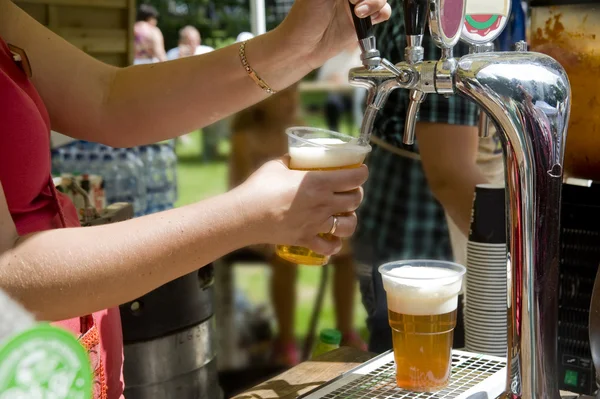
(473,376)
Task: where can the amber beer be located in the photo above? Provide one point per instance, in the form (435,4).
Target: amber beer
(422,298)
(318,149)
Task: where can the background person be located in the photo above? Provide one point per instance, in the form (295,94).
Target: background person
(258,135)
(190,43)
(149,42)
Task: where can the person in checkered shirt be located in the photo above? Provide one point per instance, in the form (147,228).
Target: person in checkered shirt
(400,217)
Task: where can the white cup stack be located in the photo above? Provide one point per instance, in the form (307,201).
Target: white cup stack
(486,282)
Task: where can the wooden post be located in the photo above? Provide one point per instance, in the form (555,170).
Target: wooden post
(131,39)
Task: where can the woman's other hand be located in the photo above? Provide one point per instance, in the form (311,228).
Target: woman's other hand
(283,206)
(322,28)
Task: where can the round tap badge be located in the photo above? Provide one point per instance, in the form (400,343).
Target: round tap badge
(485,20)
(445,21)
(44,362)
(451,13)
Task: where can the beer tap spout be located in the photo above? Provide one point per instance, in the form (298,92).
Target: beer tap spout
(380,82)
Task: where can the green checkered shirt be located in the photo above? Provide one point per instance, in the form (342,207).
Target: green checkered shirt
(400,218)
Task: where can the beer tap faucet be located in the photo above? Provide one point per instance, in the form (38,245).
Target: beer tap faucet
(378,75)
(366,40)
(370,56)
(528,97)
(381,77)
(415,17)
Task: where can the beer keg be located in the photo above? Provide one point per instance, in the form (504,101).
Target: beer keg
(169,336)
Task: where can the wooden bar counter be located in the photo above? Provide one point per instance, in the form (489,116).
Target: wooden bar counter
(308,375)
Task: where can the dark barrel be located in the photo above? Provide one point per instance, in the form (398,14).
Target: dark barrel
(169,338)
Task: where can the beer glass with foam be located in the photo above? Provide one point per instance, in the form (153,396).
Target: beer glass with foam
(319,149)
(422,300)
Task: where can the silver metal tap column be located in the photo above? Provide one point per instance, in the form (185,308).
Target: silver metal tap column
(527,95)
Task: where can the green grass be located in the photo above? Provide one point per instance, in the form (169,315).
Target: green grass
(254,282)
(198,180)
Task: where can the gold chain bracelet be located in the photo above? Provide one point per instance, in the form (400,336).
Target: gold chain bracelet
(261,83)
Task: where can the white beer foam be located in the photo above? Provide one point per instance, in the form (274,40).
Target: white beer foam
(421,291)
(339,153)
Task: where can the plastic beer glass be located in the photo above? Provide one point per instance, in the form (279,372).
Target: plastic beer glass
(422,300)
(319,149)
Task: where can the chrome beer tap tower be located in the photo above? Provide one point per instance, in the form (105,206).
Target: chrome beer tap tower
(527,96)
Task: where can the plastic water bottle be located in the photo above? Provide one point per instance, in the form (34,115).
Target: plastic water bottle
(145,158)
(94,165)
(137,166)
(159,178)
(170,159)
(329,339)
(126,183)
(154,171)
(167,177)
(81,162)
(67,162)
(109,174)
(132,185)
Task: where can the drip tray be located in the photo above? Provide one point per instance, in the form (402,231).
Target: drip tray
(473,376)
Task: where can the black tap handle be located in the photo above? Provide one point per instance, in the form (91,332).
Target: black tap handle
(363,26)
(415,16)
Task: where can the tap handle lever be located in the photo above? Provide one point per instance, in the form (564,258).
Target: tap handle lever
(366,39)
(416,98)
(415,16)
(363,26)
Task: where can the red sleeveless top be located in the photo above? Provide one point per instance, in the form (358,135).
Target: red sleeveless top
(34,203)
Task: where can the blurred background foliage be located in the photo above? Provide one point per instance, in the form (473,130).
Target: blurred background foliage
(219,21)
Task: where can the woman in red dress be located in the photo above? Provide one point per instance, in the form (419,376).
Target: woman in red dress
(77,277)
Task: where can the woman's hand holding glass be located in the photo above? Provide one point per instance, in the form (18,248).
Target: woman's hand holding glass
(292,206)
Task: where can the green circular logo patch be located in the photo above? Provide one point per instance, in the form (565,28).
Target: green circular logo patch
(481,25)
(44,362)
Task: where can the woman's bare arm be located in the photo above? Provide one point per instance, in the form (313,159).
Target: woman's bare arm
(143,103)
(59,274)
(146,103)
(64,273)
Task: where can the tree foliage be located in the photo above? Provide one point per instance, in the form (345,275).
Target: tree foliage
(219,21)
